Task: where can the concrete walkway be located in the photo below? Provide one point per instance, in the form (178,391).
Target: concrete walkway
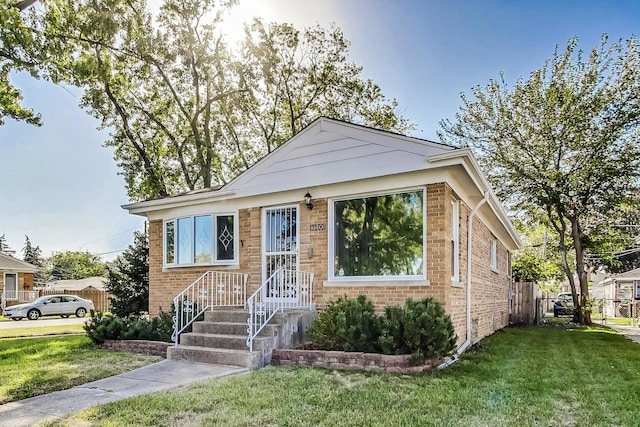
(631,332)
(158,376)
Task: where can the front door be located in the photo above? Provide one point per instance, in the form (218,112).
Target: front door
(280,252)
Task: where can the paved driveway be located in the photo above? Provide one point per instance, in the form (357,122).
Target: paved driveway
(44,321)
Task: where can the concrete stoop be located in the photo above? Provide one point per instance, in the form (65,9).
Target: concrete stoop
(221,338)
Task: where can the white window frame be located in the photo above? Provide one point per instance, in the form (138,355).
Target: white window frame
(455,239)
(331,236)
(494,254)
(214,234)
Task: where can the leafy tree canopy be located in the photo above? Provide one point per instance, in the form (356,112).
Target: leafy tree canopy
(564,142)
(186,110)
(73,265)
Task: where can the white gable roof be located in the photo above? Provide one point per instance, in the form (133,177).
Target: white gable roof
(9,263)
(329,151)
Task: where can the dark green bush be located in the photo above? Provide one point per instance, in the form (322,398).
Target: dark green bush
(102,327)
(420,328)
(347,325)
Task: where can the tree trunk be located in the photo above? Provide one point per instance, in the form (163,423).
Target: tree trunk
(583,311)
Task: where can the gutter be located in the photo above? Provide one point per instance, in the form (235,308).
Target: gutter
(467,342)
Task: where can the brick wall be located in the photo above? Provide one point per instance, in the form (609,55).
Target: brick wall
(152,348)
(489,288)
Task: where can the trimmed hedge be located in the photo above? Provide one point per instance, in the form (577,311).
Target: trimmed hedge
(420,328)
(102,327)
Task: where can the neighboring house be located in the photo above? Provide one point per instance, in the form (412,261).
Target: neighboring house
(16,280)
(86,284)
(342,209)
(620,292)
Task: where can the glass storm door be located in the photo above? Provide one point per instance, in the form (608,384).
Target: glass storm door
(280,252)
(11,286)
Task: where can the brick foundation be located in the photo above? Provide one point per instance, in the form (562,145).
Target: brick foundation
(350,360)
(151,348)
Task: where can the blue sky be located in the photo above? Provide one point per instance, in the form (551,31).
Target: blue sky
(59,186)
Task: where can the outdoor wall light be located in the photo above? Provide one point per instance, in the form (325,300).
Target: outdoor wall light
(307,201)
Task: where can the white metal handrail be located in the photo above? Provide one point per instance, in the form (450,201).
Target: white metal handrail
(212,289)
(283,289)
(19,296)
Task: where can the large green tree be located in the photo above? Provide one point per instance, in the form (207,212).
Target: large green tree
(18,52)
(563,142)
(186,110)
(73,265)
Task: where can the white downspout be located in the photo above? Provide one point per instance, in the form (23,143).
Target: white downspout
(467,342)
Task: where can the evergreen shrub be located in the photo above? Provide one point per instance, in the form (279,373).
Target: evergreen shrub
(102,327)
(347,325)
(420,328)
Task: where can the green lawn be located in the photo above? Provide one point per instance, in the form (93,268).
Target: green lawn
(535,376)
(41,330)
(34,366)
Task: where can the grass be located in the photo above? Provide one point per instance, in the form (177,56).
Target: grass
(41,330)
(34,366)
(629,321)
(534,376)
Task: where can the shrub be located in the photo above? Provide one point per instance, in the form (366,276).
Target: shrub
(347,325)
(102,327)
(420,328)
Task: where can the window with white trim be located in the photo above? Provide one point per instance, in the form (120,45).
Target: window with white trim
(379,236)
(494,254)
(455,242)
(201,240)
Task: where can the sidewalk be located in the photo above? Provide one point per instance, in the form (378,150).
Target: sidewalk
(631,332)
(158,376)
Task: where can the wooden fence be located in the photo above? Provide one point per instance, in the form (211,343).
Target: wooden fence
(524,306)
(100,299)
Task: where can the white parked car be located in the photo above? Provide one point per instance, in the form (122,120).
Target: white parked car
(50,305)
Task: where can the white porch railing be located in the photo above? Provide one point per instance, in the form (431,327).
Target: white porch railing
(212,289)
(19,296)
(283,289)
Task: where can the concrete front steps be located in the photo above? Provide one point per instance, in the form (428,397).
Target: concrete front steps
(221,338)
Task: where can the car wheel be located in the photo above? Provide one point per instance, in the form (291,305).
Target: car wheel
(64,316)
(81,312)
(33,314)
(16,318)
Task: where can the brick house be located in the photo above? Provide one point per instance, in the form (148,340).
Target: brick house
(16,281)
(340,209)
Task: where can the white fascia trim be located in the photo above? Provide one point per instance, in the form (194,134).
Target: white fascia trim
(141,208)
(465,158)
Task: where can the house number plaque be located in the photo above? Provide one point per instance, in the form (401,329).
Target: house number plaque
(317,227)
